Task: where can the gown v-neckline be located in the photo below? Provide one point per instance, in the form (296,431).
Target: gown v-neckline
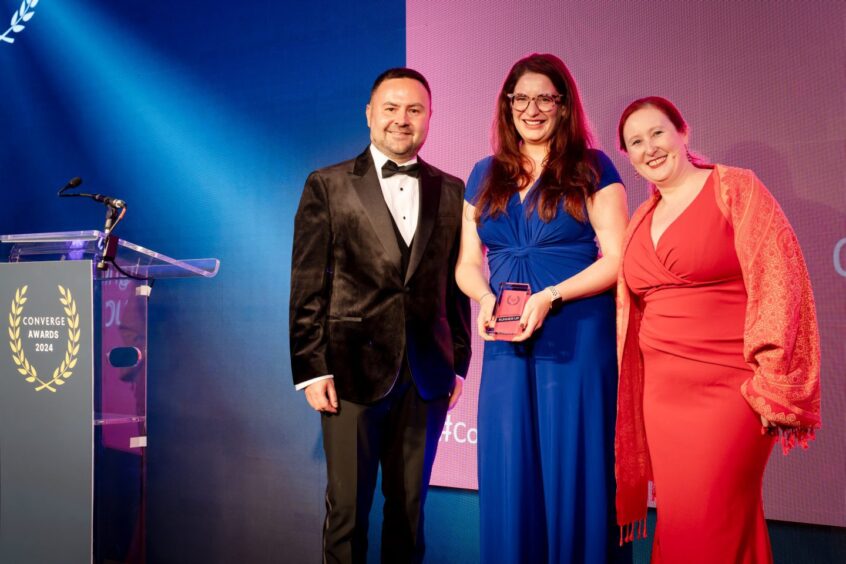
(657,243)
(522,199)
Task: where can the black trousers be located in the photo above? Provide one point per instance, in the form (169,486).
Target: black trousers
(401,433)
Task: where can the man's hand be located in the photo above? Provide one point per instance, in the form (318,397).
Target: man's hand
(321,396)
(456,392)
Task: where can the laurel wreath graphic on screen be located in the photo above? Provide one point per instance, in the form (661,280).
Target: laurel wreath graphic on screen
(65,368)
(22,14)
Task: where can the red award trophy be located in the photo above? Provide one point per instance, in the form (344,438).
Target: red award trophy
(505,323)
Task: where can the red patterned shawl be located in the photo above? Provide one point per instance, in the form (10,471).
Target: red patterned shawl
(780,337)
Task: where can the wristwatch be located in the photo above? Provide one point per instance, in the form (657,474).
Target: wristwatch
(556,297)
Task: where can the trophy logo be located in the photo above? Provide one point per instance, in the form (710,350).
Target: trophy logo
(41,339)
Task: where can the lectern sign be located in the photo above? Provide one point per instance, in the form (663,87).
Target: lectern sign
(41,333)
(46,411)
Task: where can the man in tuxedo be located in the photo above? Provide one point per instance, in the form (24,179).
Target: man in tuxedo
(380,334)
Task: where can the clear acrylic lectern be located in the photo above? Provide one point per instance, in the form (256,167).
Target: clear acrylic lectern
(115,395)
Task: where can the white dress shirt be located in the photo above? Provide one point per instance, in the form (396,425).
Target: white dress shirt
(401,193)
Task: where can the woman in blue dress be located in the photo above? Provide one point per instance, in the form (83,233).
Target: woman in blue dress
(547,400)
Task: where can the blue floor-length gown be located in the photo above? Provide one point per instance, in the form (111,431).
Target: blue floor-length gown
(547,406)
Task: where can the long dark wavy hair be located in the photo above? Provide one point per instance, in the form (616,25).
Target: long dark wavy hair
(570,172)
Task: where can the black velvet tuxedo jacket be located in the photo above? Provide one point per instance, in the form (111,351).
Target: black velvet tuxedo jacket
(353,313)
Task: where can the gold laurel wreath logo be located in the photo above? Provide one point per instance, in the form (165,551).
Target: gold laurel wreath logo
(65,369)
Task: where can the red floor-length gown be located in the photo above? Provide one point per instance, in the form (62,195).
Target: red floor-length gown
(705,443)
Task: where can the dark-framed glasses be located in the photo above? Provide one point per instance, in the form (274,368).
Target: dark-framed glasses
(544,102)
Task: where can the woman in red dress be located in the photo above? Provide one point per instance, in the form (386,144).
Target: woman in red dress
(717,343)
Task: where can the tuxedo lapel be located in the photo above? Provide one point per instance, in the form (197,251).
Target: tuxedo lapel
(366,184)
(430,199)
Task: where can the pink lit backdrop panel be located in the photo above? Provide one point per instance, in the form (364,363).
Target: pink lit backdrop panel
(762,86)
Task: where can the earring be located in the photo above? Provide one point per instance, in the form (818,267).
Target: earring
(689,156)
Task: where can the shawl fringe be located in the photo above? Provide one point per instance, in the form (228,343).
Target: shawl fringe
(631,531)
(791,437)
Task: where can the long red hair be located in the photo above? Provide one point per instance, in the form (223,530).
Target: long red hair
(570,172)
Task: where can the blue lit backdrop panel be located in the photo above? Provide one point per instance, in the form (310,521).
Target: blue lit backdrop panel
(207,119)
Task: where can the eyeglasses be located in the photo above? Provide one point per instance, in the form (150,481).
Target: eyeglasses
(544,102)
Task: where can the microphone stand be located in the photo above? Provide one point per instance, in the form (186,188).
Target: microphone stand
(110,242)
(115,210)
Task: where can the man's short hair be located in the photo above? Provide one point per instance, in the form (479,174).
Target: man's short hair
(400,72)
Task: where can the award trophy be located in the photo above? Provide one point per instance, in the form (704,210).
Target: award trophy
(505,322)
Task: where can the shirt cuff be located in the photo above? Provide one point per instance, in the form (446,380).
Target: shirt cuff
(307,383)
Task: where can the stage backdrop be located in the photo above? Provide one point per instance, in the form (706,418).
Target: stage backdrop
(761,85)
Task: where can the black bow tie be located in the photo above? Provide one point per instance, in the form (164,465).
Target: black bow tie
(391,168)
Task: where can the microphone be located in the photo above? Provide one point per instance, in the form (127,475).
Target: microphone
(74,182)
(115,210)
